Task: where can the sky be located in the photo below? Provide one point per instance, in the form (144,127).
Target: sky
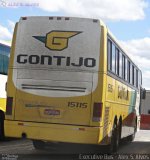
(128,20)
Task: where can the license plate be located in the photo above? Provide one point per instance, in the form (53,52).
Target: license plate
(51,112)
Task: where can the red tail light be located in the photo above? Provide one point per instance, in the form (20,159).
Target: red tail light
(97,112)
(9,104)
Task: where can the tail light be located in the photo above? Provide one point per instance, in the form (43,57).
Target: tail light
(97,112)
(9,104)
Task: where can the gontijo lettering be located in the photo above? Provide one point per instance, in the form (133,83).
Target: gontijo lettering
(57,60)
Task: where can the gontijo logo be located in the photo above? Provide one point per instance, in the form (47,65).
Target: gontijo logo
(57,40)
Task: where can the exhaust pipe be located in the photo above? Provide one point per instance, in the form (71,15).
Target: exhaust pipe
(24,136)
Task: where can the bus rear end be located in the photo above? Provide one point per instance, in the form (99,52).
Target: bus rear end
(54,92)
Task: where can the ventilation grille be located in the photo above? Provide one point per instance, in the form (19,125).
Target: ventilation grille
(53,88)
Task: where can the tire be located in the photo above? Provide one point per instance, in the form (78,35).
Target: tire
(115,139)
(38,144)
(1,129)
(120,131)
(131,137)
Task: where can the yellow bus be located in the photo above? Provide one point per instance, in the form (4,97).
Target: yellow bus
(70,81)
(4,59)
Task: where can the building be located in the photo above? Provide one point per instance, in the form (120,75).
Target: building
(145,111)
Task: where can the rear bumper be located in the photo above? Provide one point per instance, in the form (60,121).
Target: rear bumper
(52,132)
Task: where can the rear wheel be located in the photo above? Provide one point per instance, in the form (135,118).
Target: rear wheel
(115,138)
(38,144)
(131,137)
(1,128)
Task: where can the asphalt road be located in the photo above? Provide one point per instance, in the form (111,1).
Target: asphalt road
(15,149)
